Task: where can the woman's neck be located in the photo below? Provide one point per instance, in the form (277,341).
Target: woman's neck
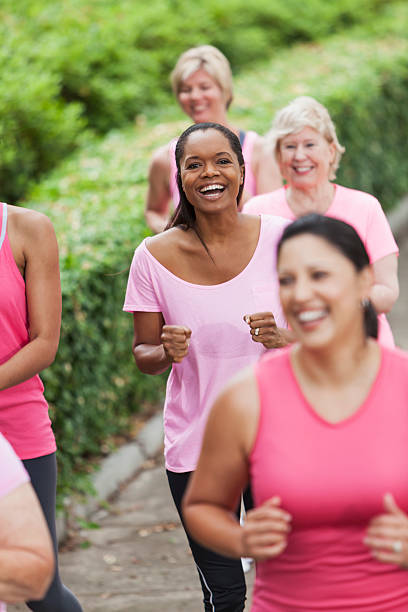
(215,228)
(316,199)
(338,366)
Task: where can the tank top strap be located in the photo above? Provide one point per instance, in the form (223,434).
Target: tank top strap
(3,223)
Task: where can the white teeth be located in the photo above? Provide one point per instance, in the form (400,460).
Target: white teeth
(211,188)
(310,315)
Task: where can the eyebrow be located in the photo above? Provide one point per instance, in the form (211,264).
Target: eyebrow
(216,155)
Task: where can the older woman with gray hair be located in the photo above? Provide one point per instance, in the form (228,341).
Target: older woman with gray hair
(304,140)
(202,84)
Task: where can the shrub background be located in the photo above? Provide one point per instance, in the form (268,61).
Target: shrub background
(68,64)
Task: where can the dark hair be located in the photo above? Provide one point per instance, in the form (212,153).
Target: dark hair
(345,239)
(184,215)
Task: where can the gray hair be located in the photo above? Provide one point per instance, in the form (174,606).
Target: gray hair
(302,112)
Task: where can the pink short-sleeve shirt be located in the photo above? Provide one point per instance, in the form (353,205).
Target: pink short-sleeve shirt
(220,342)
(361,210)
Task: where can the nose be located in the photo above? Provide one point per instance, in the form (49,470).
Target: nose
(302,289)
(300,152)
(210,169)
(195,93)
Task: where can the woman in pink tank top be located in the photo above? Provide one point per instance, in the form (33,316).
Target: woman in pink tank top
(30,317)
(202,83)
(321,431)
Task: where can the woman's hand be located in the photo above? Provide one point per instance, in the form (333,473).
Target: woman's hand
(175,340)
(265,531)
(263,329)
(387,534)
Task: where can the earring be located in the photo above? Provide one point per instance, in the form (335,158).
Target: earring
(365,302)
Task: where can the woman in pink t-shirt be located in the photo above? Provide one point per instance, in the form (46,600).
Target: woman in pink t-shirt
(321,431)
(30,317)
(202,84)
(204,295)
(308,152)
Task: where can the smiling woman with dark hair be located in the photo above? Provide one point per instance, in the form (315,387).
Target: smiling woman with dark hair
(321,431)
(204,299)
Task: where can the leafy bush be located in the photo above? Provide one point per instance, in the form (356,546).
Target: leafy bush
(363,80)
(93,387)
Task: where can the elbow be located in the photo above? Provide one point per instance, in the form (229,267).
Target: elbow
(43,578)
(392,297)
(38,576)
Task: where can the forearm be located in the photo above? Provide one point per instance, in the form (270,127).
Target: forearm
(27,362)
(383,298)
(215,527)
(24,575)
(151,359)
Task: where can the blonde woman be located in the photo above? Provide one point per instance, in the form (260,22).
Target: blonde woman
(202,84)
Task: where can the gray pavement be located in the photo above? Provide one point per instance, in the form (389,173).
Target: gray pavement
(137,560)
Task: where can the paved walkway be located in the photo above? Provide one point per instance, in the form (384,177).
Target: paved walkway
(138,559)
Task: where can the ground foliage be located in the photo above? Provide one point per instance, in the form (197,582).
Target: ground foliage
(69,64)
(95,199)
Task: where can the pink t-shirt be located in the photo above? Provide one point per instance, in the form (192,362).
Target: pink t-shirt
(332,479)
(12,475)
(361,210)
(247,150)
(220,341)
(24,419)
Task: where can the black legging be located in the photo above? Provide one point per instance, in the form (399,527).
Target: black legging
(222,579)
(43,474)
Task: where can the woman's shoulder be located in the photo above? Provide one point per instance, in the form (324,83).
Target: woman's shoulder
(356,196)
(29,222)
(266,203)
(160,159)
(167,246)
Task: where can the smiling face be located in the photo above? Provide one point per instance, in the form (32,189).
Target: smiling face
(321,292)
(202,99)
(305,158)
(210,171)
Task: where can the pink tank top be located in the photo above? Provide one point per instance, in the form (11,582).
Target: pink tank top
(332,479)
(24,419)
(247,149)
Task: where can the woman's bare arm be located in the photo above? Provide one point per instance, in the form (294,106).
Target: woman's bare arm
(26,554)
(157,210)
(385,290)
(32,238)
(266,170)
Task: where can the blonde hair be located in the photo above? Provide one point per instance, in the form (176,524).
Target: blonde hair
(303,112)
(211,60)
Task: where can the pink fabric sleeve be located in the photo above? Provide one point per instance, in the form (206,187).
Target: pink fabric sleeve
(13,473)
(140,293)
(380,241)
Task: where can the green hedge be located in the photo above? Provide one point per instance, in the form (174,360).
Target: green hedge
(362,78)
(109,60)
(94,387)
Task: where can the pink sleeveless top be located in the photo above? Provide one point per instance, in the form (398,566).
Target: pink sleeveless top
(331,478)
(247,149)
(24,419)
